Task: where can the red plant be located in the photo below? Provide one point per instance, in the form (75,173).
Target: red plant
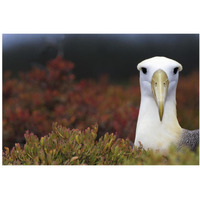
(40,97)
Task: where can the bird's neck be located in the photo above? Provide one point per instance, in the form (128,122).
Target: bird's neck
(152,132)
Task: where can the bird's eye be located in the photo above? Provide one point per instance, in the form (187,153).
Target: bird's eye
(144,70)
(175,70)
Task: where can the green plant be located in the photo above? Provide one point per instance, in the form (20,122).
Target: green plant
(75,147)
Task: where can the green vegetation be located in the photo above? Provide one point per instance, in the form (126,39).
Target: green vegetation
(74,147)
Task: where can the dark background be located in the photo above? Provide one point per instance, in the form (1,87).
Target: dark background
(95,54)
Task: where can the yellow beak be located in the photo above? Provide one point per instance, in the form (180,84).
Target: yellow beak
(159,86)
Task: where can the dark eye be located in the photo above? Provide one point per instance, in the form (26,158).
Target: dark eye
(175,70)
(144,70)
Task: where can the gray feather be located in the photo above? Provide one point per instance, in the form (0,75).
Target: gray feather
(189,139)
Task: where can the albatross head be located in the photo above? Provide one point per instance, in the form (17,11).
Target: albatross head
(158,79)
(157,125)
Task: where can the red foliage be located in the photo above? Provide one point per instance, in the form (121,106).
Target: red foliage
(41,97)
(188,101)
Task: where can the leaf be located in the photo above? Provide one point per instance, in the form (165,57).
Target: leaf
(6,150)
(73,158)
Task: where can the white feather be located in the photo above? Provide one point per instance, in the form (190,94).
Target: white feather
(150,131)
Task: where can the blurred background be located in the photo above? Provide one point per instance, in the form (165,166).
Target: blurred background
(95,54)
(78,80)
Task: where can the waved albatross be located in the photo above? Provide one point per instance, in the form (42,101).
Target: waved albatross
(157,125)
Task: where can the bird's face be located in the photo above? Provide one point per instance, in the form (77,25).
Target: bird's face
(158,79)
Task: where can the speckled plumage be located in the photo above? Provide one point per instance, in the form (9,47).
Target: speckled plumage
(189,139)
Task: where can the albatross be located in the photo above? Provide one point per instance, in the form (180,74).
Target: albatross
(157,126)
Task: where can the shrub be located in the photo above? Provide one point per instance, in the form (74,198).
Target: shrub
(38,98)
(75,147)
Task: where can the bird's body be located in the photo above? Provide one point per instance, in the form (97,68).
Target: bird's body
(158,126)
(152,132)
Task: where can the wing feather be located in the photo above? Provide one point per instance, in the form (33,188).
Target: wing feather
(189,139)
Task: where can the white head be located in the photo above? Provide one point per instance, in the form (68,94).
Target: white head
(157,125)
(158,79)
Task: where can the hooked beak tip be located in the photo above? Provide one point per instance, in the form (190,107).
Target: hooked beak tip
(161,114)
